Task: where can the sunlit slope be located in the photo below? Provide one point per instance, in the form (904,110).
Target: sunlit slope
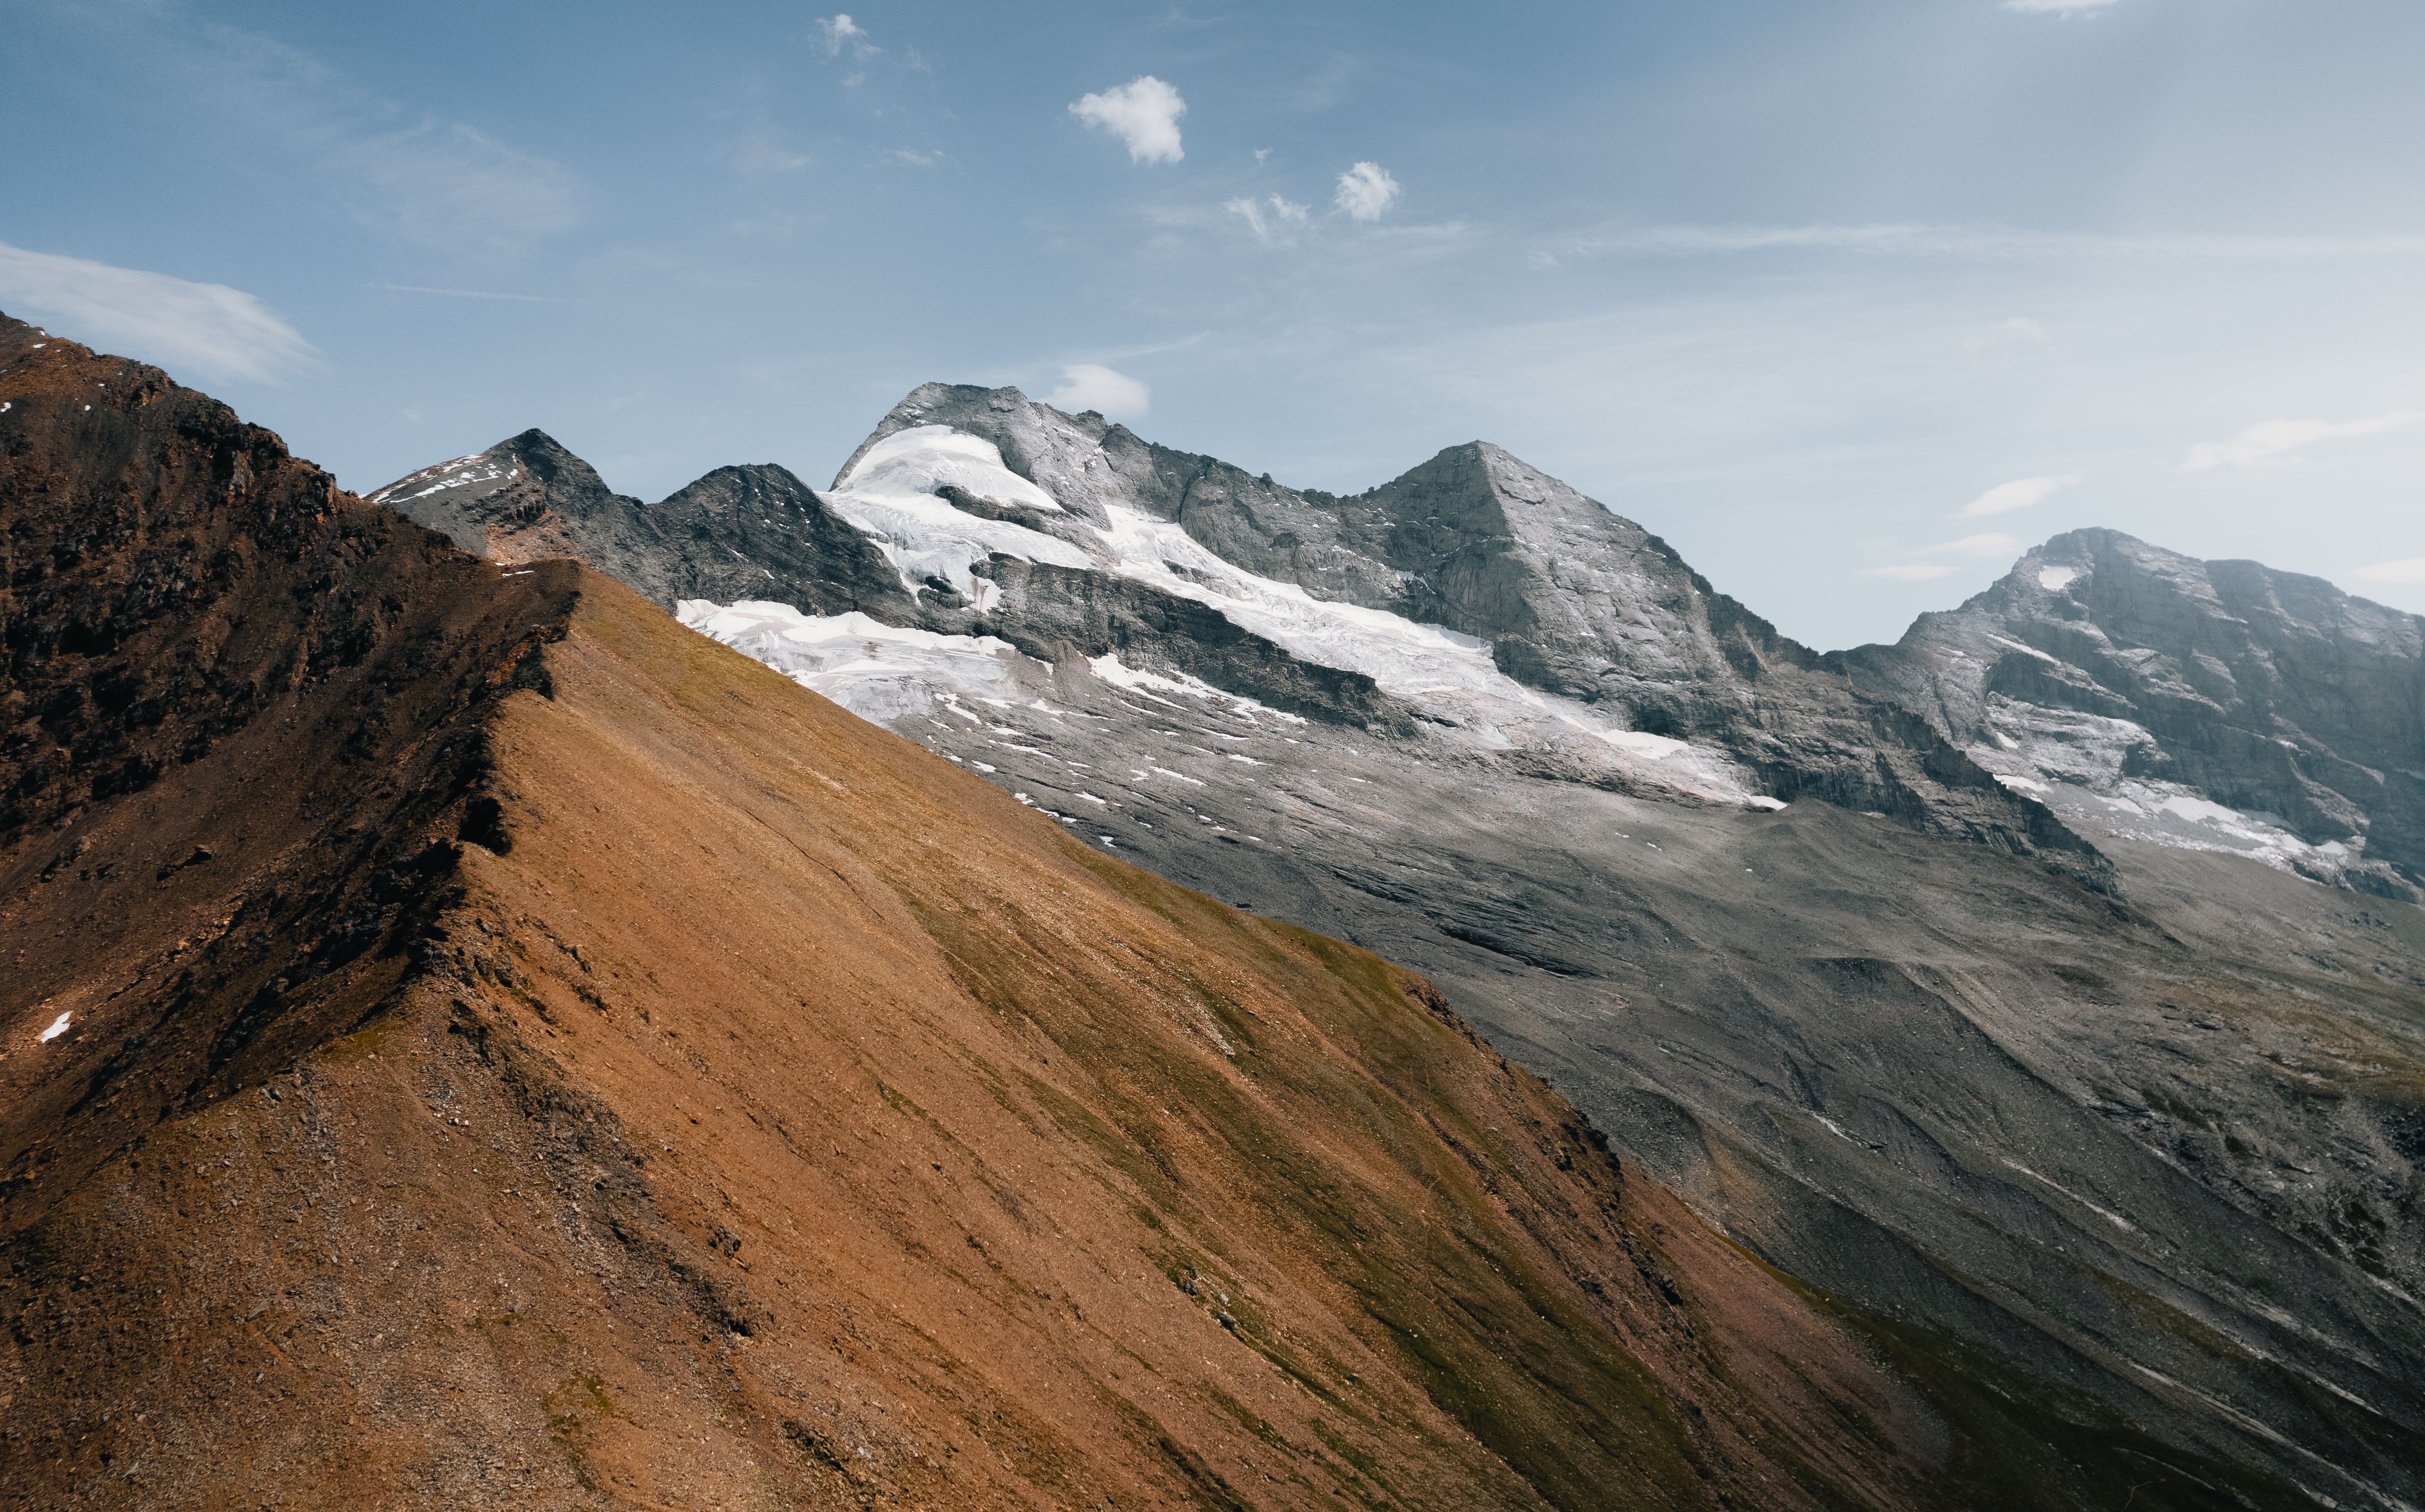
(513,1051)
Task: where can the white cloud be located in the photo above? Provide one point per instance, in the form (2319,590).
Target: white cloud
(2019,494)
(2405,572)
(1365,191)
(2058,7)
(1092,385)
(2274,440)
(1910,572)
(840,31)
(1144,113)
(1252,212)
(202,329)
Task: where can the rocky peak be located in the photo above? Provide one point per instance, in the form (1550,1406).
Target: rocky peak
(2130,685)
(739,533)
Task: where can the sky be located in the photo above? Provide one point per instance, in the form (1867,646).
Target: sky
(1851,300)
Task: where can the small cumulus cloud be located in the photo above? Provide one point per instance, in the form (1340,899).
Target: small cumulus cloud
(2406,572)
(2058,7)
(2276,440)
(1092,385)
(203,328)
(1365,191)
(2019,494)
(1142,113)
(839,31)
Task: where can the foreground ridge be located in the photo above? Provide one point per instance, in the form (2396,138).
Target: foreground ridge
(2113,1151)
(472,1039)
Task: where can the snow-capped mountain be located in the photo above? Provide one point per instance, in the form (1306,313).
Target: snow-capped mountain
(2216,705)
(1918,1042)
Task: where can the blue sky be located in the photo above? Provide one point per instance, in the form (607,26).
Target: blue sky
(1850,299)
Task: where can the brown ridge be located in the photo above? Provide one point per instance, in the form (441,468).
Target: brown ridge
(521,1053)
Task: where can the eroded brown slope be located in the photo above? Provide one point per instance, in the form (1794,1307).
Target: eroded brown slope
(616,1077)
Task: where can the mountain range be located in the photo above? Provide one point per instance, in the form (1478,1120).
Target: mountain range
(471,1037)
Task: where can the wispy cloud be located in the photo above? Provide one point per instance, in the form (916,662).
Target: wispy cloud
(2408,571)
(471,294)
(444,185)
(1280,213)
(207,330)
(1910,571)
(1970,549)
(402,173)
(1144,113)
(1991,546)
(2005,335)
(763,149)
(1365,191)
(839,31)
(2058,7)
(2276,440)
(2019,494)
(1984,242)
(1092,385)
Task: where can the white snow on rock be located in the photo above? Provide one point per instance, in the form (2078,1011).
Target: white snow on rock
(2055,580)
(892,494)
(2074,763)
(58,1026)
(462,472)
(1152,685)
(1445,673)
(882,673)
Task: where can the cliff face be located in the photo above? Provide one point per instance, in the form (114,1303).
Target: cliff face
(486,1043)
(2219,703)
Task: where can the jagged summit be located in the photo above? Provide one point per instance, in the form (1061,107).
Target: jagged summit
(2224,703)
(738,532)
(1566,597)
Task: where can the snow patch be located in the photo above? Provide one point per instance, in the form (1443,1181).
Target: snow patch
(2055,580)
(877,671)
(58,1026)
(894,495)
